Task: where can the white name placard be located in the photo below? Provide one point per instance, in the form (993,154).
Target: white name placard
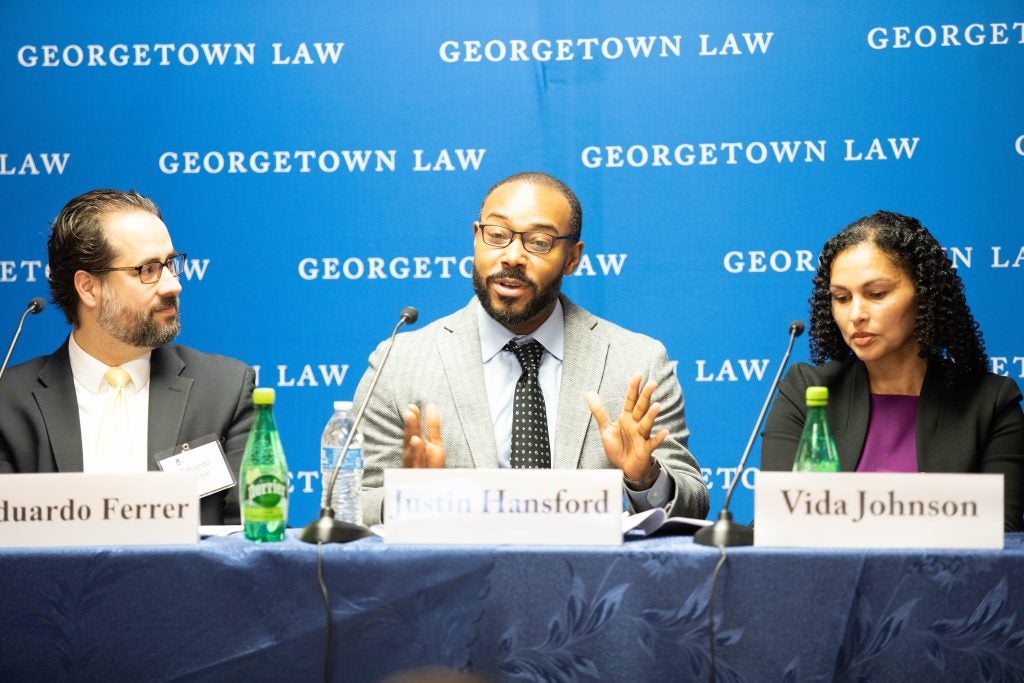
(78,509)
(878,510)
(463,506)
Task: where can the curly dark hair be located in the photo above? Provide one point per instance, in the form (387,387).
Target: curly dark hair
(945,329)
(78,242)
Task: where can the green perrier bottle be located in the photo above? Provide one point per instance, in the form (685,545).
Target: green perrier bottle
(263,480)
(817,450)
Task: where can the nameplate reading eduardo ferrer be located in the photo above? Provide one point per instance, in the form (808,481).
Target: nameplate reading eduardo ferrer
(78,509)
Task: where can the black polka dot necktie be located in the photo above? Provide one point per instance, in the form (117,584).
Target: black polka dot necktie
(530,447)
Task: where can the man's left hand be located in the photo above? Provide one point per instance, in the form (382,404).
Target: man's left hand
(628,442)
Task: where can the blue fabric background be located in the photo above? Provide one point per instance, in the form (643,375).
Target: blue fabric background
(670,229)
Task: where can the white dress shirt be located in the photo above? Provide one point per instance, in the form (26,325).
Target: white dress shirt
(93,393)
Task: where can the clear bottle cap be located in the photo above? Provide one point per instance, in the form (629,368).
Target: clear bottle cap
(817,396)
(342,405)
(263,396)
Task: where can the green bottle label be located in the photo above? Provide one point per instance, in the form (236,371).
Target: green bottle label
(266,491)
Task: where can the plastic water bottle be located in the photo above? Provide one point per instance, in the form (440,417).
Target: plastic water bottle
(345,501)
(263,478)
(816,451)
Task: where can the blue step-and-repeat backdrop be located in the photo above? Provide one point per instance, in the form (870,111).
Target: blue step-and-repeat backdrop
(322,163)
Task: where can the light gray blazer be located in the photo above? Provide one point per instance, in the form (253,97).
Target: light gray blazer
(440,364)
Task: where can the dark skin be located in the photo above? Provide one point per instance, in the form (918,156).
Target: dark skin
(628,442)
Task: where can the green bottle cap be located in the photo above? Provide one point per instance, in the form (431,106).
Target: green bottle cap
(263,396)
(817,396)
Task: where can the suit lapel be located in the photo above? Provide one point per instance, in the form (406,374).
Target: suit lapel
(583,366)
(853,401)
(460,357)
(168,396)
(58,403)
(929,412)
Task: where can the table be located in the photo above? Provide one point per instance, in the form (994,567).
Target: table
(226,609)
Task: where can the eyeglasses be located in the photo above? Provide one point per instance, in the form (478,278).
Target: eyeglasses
(534,241)
(151,272)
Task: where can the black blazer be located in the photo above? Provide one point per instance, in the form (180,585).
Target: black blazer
(191,394)
(975,426)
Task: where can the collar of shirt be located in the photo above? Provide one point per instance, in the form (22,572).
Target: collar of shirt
(89,371)
(494,336)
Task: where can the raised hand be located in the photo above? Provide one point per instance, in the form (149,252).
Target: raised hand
(417,450)
(628,443)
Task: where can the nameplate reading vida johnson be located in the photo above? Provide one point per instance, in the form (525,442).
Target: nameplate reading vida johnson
(78,509)
(469,506)
(878,510)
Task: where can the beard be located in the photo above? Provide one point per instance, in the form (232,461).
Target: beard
(138,328)
(503,311)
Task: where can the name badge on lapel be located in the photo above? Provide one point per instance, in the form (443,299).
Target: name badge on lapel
(203,457)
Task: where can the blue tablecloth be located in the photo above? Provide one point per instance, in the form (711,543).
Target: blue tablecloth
(226,609)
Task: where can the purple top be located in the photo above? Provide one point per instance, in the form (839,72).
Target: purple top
(891,443)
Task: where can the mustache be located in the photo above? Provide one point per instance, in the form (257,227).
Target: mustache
(166,302)
(507,273)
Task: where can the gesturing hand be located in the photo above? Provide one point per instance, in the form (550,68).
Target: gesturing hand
(628,443)
(418,451)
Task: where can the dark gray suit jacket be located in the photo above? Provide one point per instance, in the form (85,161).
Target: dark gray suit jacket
(191,394)
(440,364)
(976,426)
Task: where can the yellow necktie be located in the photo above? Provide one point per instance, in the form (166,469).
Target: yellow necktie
(113,439)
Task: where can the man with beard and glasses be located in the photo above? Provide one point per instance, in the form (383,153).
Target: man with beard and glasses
(117,393)
(455,393)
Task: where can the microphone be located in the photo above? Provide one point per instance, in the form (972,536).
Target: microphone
(724,533)
(325,528)
(37,304)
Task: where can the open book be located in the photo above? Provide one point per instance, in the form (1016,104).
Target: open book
(656,522)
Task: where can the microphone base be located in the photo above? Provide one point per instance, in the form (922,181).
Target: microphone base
(725,533)
(327,529)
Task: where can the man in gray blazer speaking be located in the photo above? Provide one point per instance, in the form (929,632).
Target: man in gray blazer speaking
(475,390)
(117,393)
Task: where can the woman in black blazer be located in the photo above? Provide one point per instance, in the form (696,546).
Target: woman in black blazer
(893,339)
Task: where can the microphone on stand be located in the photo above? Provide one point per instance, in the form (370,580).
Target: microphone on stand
(724,533)
(325,528)
(37,304)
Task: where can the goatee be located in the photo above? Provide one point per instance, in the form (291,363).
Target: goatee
(139,328)
(540,299)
